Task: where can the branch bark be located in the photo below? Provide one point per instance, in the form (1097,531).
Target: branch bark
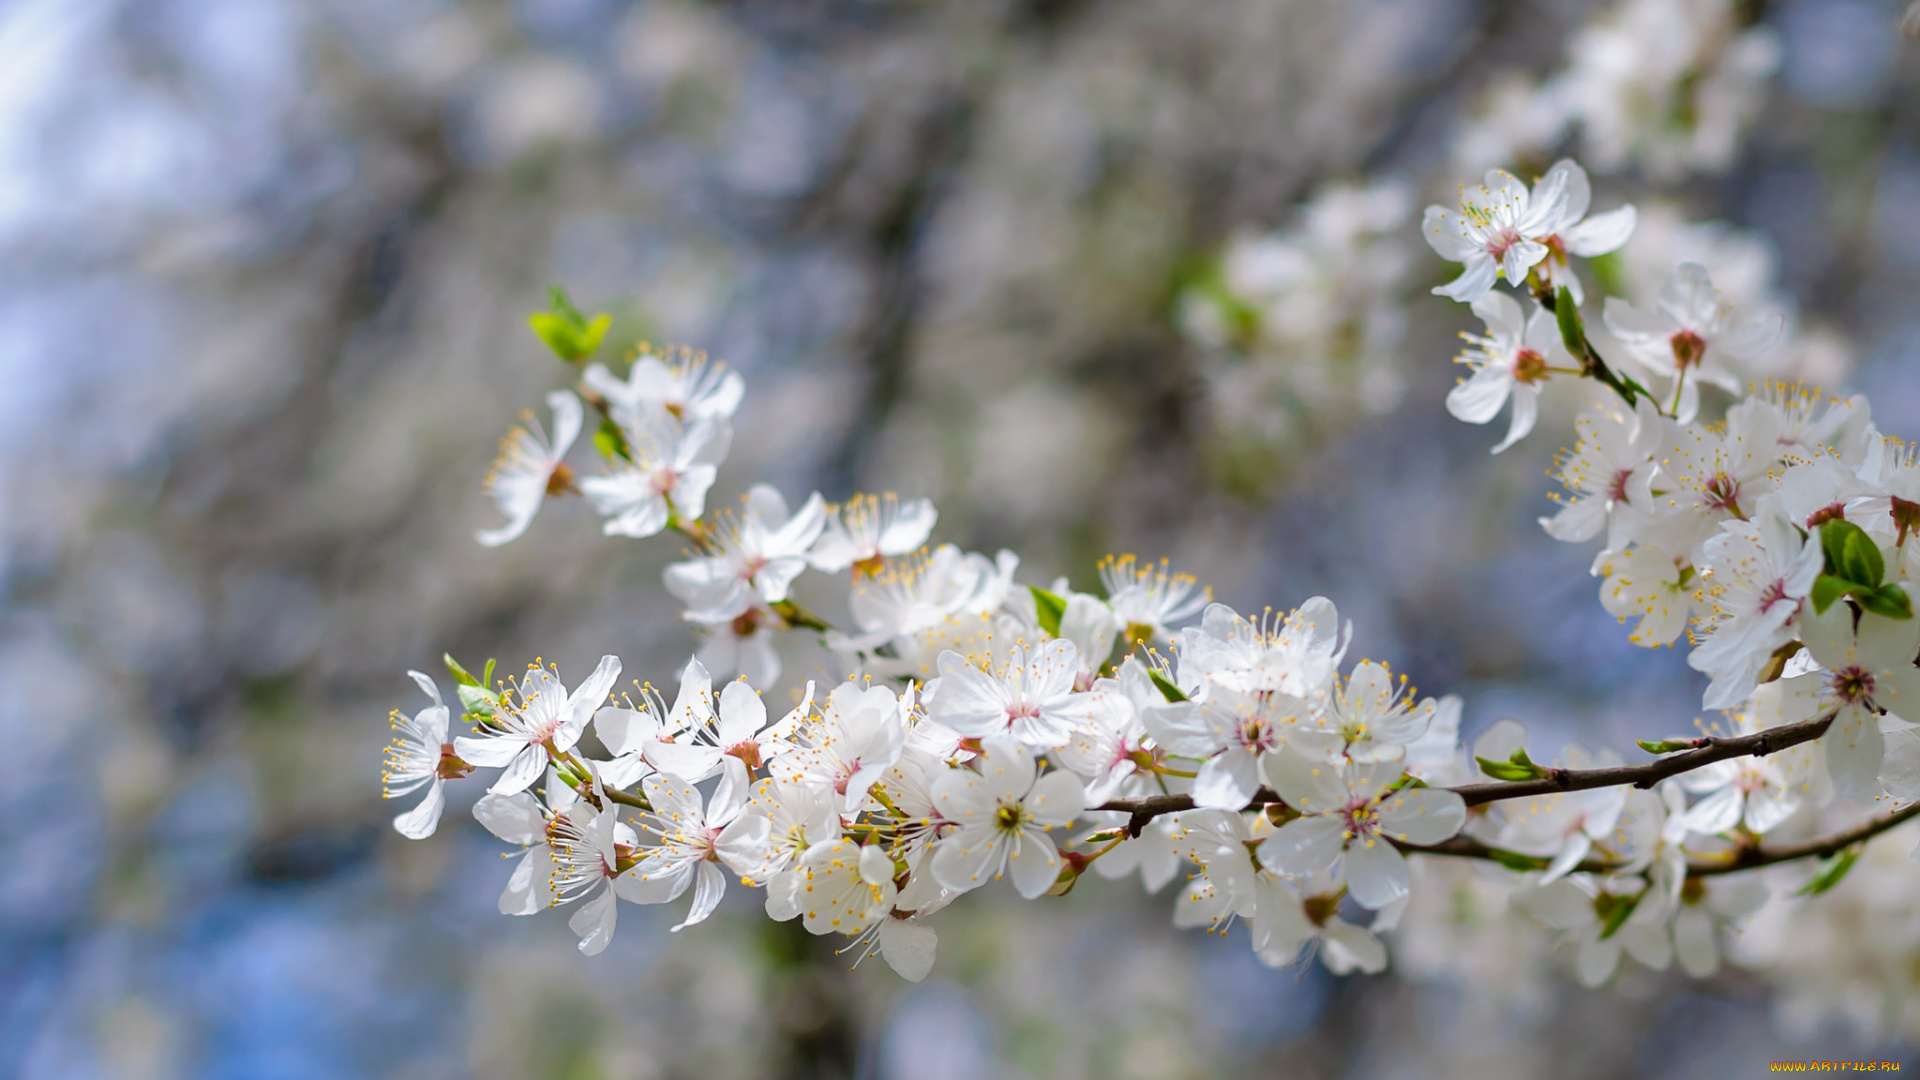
(1706,751)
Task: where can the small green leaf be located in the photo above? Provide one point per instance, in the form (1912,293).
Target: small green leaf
(1888,601)
(1851,554)
(594,332)
(570,335)
(1167,689)
(1894,602)
(486,673)
(1667,746)
(560,304)
(1864,564)
(611,441)
(1613,911)
(478,700)
(1832,871)
(1827,589)
(1507,770)
(1572,333)
(558,335)
(1513,860)
(460,675)
(1049,608)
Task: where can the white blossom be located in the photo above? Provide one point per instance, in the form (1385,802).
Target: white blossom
(530,466)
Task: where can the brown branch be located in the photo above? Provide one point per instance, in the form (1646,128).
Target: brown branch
(1706,751)
(1747,858)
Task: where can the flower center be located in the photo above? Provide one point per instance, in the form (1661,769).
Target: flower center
(1853,685)
(560,480)
(1529,367)
(1830,512)
(1722,493)
(1773,595)
(1256,734)
(1617,489)
(1320,908)
(749,752)
(1499,242)
(1363,819)
(1009,817)
(1688,348)
(451,767)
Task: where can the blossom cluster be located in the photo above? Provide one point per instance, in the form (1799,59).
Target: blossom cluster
(989,729)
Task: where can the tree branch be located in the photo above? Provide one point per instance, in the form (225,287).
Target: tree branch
(1706,751)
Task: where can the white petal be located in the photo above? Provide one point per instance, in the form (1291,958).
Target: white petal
(1376,873)
(1600,233)
(967,857)
(1693,942)
(419,822)
(1304,846)
(1423,816)
(708,885)
(1854,749)
(514,818)
(1345,947)
(908,948)
(594,922)
(1478,399)
(1034,864)
(521,772)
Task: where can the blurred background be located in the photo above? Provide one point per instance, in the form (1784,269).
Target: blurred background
(1095,275)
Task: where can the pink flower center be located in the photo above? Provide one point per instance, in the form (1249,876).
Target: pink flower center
(1362,817)
(1688,348)
(1722,493)
(1500,242)
(1774,595)
(1617,488)
(1853,685)
(1256,734)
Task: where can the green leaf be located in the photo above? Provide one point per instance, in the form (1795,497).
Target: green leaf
(559,303)
(486,674)
(1888,601)
(555,331)
(1507,770)
(1832,871)
(1851,554)
(460,675)
(1864,564)
(1572,333)
(1613,911)
(1167,689)
(1827,589)
(1667,746)
(611,441)
(1892,602)
(594,332)
(1513,860)
(570,335)
(1048,608)
(478,699)
(1517,767)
